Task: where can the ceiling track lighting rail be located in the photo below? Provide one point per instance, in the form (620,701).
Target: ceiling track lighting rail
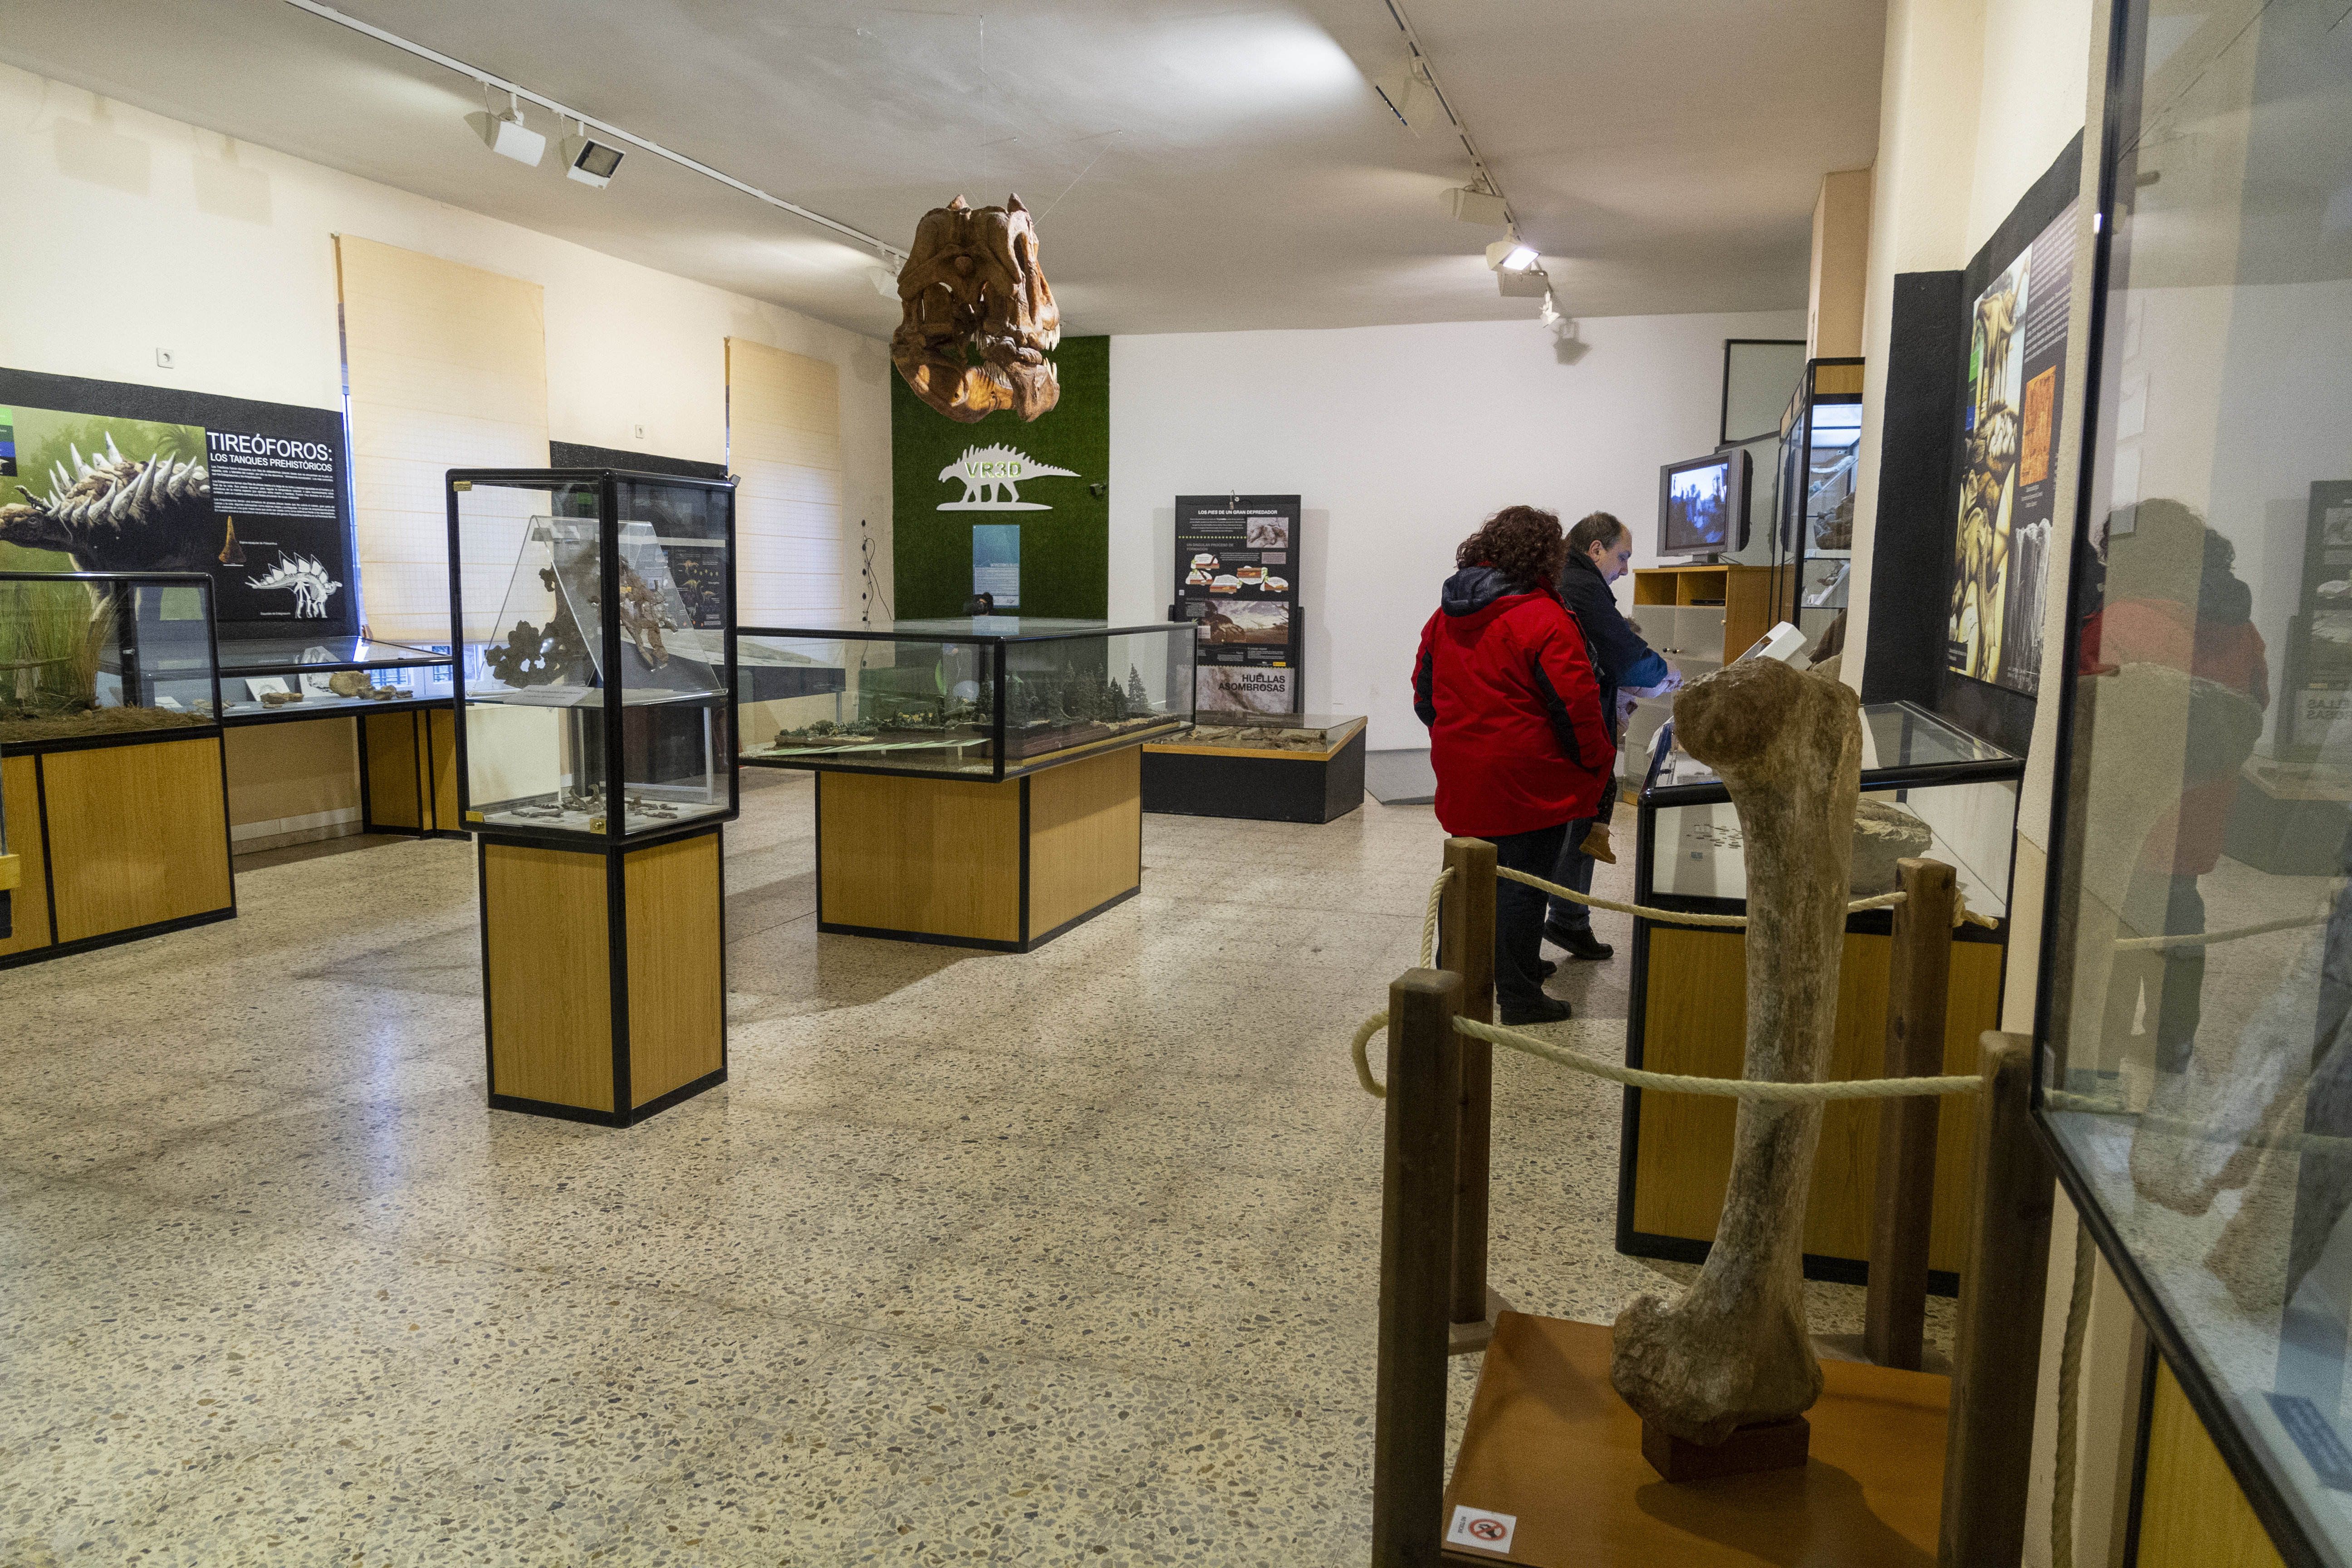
(604,127)
(1426,68)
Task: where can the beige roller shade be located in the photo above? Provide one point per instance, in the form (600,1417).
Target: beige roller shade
(446,368)
(783,442)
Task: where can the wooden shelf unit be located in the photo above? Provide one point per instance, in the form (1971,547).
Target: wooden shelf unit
(1750,598)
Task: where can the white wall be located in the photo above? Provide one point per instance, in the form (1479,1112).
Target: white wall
(155,234)
(1400,440)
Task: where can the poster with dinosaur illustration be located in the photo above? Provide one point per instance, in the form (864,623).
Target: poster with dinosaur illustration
(1237,579)
(104,477)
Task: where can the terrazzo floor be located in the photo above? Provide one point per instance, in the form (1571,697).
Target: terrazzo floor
(1062,1258)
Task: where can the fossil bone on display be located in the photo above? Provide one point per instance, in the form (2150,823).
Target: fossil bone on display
(114,513)
(642,617)
(1733,1350)
(1884,833)
(972,284)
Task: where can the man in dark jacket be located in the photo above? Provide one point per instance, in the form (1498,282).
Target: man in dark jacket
(1517,736)
(1599,549)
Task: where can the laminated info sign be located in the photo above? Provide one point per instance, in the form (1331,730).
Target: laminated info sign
(996,563)
(1237,580)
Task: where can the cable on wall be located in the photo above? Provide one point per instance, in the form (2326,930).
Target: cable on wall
(328,13)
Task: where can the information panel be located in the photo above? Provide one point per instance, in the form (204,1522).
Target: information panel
(1237,577)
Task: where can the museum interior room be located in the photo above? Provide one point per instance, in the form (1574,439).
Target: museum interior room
(1315,782)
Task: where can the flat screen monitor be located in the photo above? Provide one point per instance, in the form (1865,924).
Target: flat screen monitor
(1703,504)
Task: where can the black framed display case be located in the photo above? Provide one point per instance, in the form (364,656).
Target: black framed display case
(596,767)
(2195,987)
(1813,495)
(1929,789)
(109,720)
(978,780)
(400,699)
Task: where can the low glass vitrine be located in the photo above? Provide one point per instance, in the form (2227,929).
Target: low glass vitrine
(271,679)
(92,657)
(595,609)
(986,697)
(1929,791)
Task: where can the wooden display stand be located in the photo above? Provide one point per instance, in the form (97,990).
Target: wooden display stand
(1691,997)
(1006,866)
(1751,597)
(118,840)
(408,772)
(604,976)
(1252,783)
(1550,1443)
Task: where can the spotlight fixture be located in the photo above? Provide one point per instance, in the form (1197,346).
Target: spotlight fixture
(1466,205)
(589,160)
(507,136)
(1512,255)
(885,281)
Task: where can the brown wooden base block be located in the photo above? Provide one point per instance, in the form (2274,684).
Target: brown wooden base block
(604,977)
(1006,866)
(1550,1443)
(1767,1446)
(408,766)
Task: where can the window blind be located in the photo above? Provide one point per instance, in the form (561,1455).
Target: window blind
(783,443)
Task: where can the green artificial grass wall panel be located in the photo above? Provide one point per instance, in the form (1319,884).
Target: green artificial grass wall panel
(1065,551)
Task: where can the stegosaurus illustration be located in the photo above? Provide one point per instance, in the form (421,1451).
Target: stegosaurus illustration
(114,513)
(998,469)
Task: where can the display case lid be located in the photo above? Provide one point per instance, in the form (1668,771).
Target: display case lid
(296,654)
(1902,745)
(968,628)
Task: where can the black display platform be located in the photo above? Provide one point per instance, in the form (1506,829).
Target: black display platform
(1264,786)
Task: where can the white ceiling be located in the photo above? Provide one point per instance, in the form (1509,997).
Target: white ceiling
(1664,154)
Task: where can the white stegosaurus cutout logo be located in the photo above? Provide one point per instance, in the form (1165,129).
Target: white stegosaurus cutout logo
(997,472)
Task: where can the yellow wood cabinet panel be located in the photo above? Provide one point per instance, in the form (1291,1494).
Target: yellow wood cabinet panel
(548,968)
(391,762)
(2191,1513)
(1696,1023)
(30,917)
(138,835)
(938,856)
(678,1003)
(290,770)
(1086,836)
(440,728)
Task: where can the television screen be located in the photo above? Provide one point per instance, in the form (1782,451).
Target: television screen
(1703,505)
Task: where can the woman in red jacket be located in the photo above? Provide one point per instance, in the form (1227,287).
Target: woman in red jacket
(1516,733)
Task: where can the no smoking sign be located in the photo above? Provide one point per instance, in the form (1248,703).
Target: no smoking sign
(1482,1529)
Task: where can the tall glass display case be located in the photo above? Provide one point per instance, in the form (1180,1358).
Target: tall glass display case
(2194,1028)
(1813,494)
(1928,790)
(595,610)
(110,716)
(595,761)
(988,697)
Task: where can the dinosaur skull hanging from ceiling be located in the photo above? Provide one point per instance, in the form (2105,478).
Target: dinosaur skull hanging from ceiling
(973,282)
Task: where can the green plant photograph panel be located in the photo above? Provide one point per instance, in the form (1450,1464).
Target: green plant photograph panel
(945,477)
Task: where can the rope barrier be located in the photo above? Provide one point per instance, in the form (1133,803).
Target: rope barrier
(2070,1379)
(2206,939)
(1666,1082)
(1429,918)
(1960,911)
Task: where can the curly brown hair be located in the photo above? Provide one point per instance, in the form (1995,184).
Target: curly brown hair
(1523,542)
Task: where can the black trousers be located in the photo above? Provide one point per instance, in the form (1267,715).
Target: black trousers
(1519,912)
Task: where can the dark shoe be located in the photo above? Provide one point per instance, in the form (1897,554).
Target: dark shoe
(1579,943)
(1538,1010)
(1546,968)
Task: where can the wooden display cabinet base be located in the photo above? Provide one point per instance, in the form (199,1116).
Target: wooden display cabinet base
(408,772)
(1003,866)
(1549,1443)
(603,975)
(1255,785)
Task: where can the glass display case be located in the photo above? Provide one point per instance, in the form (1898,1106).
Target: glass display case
(2196,985)
(92,657)
(1929,789)
(595,608)
(266,679)
(1813,494)
(1295,734)
(988,697)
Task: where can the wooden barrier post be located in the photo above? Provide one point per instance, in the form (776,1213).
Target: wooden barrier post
(1895,1321)
(1988,1443)
(1416,1242)
(1466,946)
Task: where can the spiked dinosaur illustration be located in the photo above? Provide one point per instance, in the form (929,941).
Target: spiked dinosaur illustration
(114,513)
(998,472)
